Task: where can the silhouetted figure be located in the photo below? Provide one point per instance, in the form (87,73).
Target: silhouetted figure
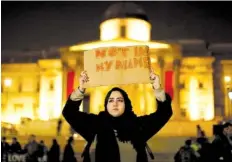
(54,152)
(200,132)
(42,151)
(32,148)
(186,153)
(121,134)
(59,126)
(205,151)
(222,144)
(4,150)
(69,154)
(15,146)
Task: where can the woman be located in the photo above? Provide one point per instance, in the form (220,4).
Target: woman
(69,154)
(117,126)
(54,152)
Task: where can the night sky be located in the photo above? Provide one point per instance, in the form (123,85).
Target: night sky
(41,25)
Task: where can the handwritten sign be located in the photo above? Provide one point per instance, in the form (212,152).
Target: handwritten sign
(117,65)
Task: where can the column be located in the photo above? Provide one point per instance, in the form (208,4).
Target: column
(176,99)
(161,65)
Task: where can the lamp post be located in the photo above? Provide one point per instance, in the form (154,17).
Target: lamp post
(7,84)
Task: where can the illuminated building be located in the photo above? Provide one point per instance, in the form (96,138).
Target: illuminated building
(38,89)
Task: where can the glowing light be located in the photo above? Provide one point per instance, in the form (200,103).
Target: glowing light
(193,108)
(209,112)
(117,43)
(50,101)
(135,29)
(153,60)
(110,30)
(57,96)
(10,118)
(227,79)
(199,110)
(75,135)
(142,104)
(8,82)
(230,95)
(138,30)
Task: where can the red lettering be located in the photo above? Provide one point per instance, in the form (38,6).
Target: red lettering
(112,52)
(125,64)
(124,51)
(108,65)
(100,53)
(130,64)
(140,51)
(138,62)
(99,67)
(119,64)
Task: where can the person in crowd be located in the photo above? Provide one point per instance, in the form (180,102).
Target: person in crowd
(54,152)
(186,153)
(222,144)
(69,154)
(31,149)
(15,147)
(5,149)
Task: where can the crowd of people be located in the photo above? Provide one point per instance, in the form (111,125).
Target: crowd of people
(198,149)
(35,151)
(201,149)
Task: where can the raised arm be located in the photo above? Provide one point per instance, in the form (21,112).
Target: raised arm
(153,122)
(83,123)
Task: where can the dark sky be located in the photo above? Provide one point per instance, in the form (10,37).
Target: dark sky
(39,25)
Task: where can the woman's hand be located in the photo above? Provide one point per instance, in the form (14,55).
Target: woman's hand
(82,80)
(155,80)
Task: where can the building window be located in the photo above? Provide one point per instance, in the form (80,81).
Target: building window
(18,108)
(182,86)
(20,87)
(51,85)
(183,112)
(123,31)
(200,85)
(38,86)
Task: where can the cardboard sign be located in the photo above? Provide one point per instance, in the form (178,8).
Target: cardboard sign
(117,65)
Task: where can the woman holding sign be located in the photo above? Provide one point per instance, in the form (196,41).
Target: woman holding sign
(120,135)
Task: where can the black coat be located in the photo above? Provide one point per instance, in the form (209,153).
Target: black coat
(88,125)
(69,154)
(221,148)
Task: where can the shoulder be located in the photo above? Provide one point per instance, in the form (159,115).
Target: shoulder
(217,140)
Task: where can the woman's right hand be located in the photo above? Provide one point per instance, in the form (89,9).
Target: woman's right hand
(83,79)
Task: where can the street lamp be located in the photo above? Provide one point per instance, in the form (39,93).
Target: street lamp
(227,79)
(8,82)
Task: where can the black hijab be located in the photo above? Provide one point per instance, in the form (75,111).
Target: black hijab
(126,125)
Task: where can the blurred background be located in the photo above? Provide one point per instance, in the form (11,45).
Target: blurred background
(42,56)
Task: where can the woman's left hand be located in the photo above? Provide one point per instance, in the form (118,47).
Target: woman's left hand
(155,80)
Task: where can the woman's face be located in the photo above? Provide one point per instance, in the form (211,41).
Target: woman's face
(116,104)
(228,131)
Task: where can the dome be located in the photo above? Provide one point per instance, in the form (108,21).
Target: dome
(125,10)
